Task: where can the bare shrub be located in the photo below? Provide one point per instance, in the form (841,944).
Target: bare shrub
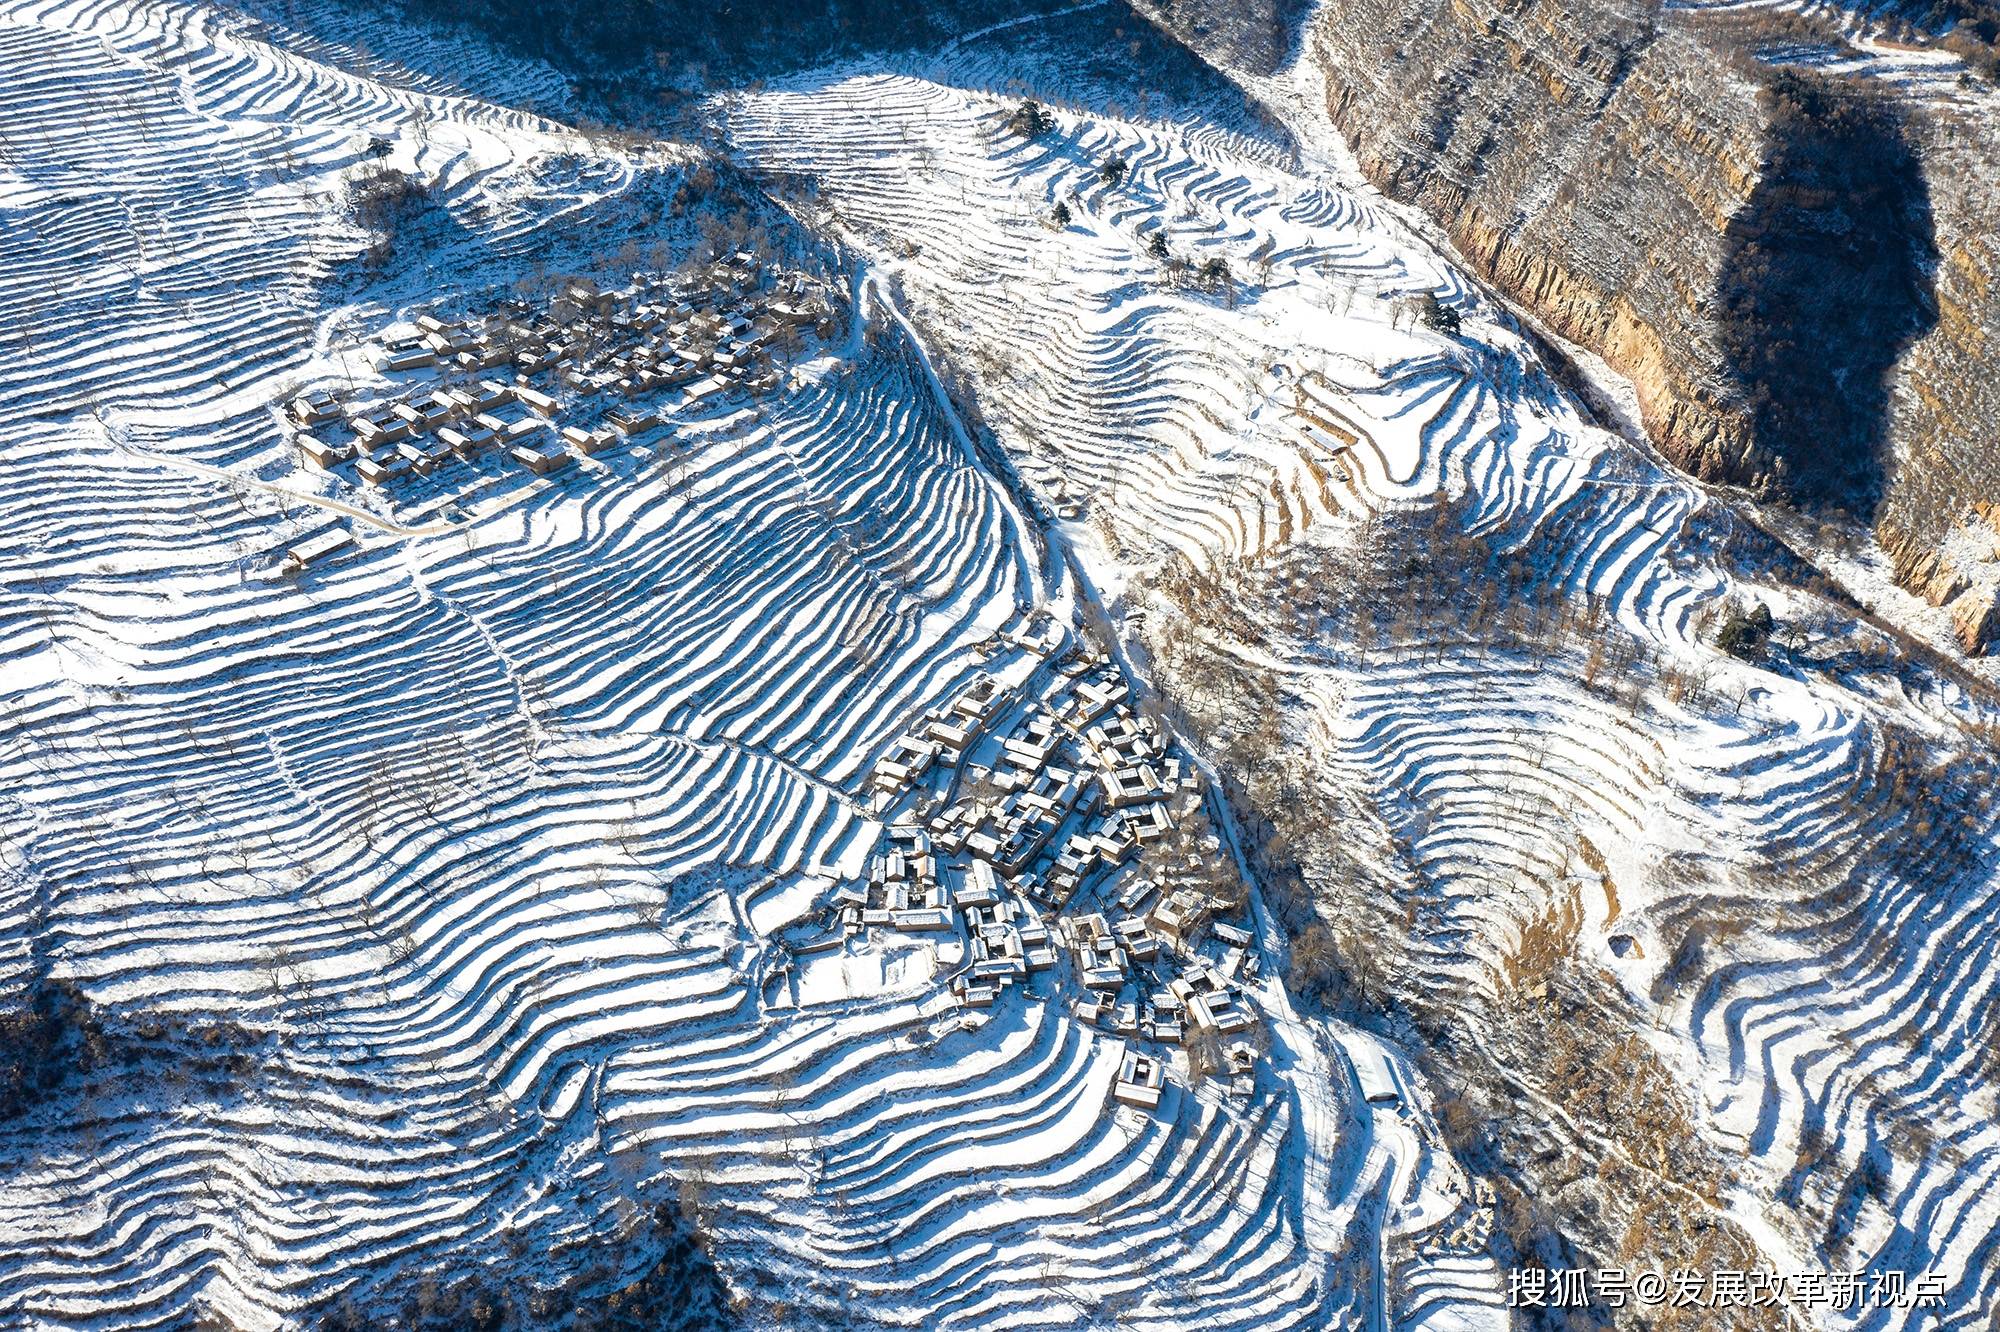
(382,200)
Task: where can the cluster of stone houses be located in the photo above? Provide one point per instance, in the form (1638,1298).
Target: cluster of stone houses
(1467,1231)
(1037,827)
(544,386)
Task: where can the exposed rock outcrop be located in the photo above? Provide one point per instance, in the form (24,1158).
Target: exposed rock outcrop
(1961,572)
(1796,271)
(1587,161)
(1946,421)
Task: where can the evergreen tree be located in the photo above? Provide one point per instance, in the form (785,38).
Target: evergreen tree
(1436,316)
(1031,120)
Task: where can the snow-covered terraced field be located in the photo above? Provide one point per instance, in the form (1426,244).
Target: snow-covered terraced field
(469,863)
(464,854)
(1839,1027)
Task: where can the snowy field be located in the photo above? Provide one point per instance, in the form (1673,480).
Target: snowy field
(1836,1036)
(481,830)
(488,834)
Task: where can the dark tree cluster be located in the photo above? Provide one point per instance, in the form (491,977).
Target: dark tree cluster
(55,1036)
(679,1291)
(381,196)
(1436,316)
(383,202)
(59,1043)
(1031,120)
(1745,633)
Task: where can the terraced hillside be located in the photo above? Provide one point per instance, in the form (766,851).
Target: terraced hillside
(441,902)
(1772,218)
(1152,769)
(1695,942)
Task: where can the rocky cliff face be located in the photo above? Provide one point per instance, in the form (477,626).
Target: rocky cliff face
(1586,160)
(1794,270)
(1938,520)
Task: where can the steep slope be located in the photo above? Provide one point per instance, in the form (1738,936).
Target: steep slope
(1652,904)
(1744,209)
(458,855)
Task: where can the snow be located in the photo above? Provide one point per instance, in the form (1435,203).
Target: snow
(527,798)
(1218,432)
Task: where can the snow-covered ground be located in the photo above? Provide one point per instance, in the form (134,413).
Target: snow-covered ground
(1231,432)
(483,828)
(491,821)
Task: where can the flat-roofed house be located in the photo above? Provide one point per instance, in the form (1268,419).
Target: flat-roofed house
(542,458)
(1141,1080)
(980,886)
(1130,786)
(379,430)
(953,739)
(1181,916)
(702,390)
(492,393)
(313,408)
(322,454)
(417,456)
(630,421)
(524,431)
(976,704)
(416,358)
(381,471)
(1218,1011)
(535,400)
(316,548)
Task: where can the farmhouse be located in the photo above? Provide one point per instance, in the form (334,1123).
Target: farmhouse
(1141,1079)
(316,548)
(541,459)
(322,454)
